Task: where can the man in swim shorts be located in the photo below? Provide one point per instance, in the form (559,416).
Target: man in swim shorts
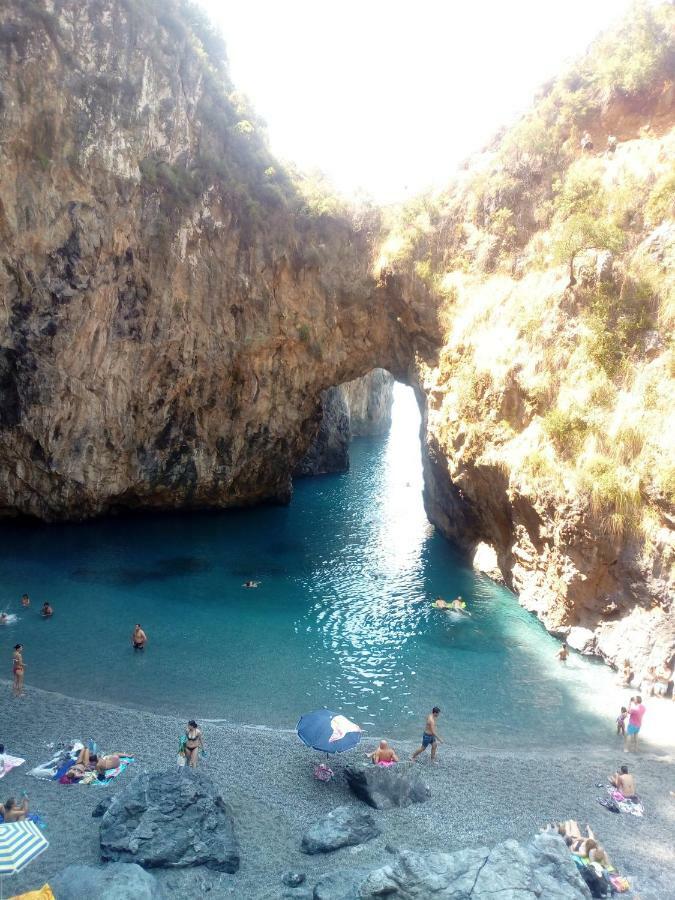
(623,781)
(636,711)
(139,638)
(430,737)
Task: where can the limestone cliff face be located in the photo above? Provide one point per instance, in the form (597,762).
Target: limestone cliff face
(171,308)
(359,407)
(369,400)
(549,417)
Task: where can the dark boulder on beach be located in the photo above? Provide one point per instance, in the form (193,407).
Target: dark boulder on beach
(170,819)
(386,788)
(115,881)
(542,868)
(341,884)
(343,827)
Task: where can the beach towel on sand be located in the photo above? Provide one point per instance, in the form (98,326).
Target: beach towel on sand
(7,763)
(618,803)
(64,757)
(45,893)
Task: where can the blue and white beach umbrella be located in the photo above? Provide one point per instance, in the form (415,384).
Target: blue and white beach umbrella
(328,731)
(20,844)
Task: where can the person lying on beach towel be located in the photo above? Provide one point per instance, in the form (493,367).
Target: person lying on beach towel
(59,763)
(90,768)
(7,762)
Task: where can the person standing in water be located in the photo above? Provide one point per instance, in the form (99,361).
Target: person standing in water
(430,737)
(139,638)
(563,653)
(18,670)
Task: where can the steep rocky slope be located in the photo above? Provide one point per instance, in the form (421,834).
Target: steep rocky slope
(172,304)
(549,422)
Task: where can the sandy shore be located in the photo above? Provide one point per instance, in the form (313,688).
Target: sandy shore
(479,797)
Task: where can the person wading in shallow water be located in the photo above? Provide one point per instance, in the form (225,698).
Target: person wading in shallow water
(139,638)
(430,736)
(18,669)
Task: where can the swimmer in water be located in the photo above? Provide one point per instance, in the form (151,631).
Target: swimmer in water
(4,618)
(46,610)
(139,638)
(250,584)
(25,600)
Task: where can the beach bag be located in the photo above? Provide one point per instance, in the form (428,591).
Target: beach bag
(322,772)
(596,884)
(182,759)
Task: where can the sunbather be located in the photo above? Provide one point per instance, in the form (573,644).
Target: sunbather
(12,811)
(100,763)
(384,755)
(583,846)
(624,782)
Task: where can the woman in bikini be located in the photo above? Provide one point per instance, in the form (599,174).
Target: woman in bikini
(18,669)
(583,846)
(193,743)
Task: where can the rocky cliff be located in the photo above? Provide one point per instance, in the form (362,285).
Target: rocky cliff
(359,407)
(172,302)
(549,421)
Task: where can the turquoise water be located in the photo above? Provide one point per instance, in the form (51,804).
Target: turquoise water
(342,616)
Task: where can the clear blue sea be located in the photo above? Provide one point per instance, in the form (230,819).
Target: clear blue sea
(342,617)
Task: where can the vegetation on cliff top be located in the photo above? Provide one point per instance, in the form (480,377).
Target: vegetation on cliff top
(555,270)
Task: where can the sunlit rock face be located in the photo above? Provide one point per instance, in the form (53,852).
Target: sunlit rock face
(357,408)
(170,310)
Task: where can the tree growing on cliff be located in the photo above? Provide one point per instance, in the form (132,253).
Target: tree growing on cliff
(582,231)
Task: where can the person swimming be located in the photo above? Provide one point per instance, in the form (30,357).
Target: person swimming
(457,605)
(4,618)
(250,584)
(46,610)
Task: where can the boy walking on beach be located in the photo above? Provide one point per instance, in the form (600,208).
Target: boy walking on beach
(430,736)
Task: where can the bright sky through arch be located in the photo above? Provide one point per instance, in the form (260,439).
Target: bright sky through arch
(388,96)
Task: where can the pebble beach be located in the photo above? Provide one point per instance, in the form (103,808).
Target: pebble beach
(479,796)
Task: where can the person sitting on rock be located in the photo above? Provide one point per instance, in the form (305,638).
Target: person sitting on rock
(627,673)
(611,144)
(384,755)
(624,782)
(586,142)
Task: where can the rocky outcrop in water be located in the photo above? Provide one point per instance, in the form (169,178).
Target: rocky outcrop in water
(359,407)
(171,305)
